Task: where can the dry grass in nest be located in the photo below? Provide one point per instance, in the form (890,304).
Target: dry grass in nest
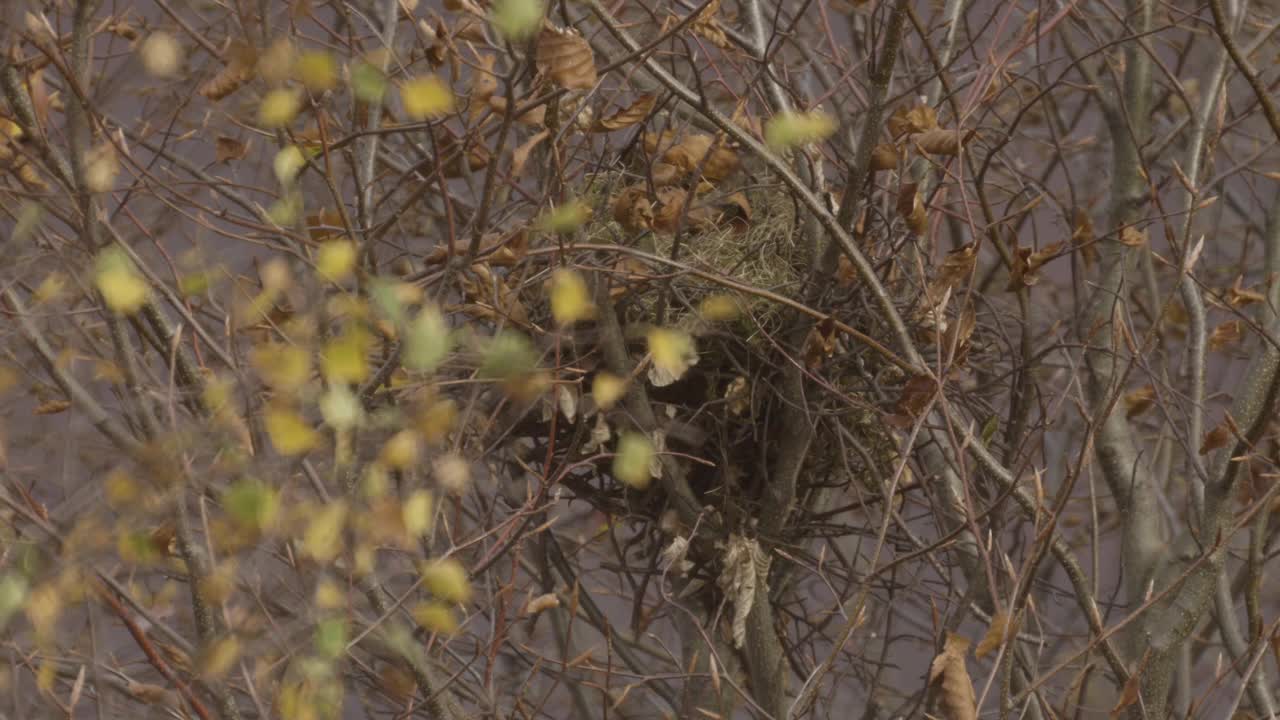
(763,254)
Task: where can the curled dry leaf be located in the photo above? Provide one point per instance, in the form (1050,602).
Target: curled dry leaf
(238,70)
(738,396)
(701,151)
(671,211)
(916,395)
(1228,333)
(820,343)
(1001,629)
(884,157)
(1082,237)
(1139,401)
(634,114)
(958,333)
(950,676)
(746,569)
(484,83)
(939,142)
(1132,236)
(229,148)
(1216,438)
(520,156)
(534,116)
(957,266)
(706,25)
(735,211)
(565,57)
(912,119)
(911,208)
(541,603)
(633,210)
(1240,296)
(1025,270)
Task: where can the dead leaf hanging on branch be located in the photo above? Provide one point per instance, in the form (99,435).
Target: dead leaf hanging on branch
(634,114)
(565,57)
(950,676)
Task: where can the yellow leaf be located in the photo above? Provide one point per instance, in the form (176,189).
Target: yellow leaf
(288,163)
(789,129)
(329,596)
(719,308)
(100,168)
(673,354)
(436,618)
(317,70)
(447,580)
(279,107)
(517,20)
(161,55)
(219,658)
(607,389)
(416,513)
(426,97)
(289,433)
(122,287)
(631,463)
(401,451)
(426,340)
(340,407)
(323,537)
(344,358)
(570,299)
(566,218)
(336,259)
(452,472)
(436,420)
(286,368)
(276,62)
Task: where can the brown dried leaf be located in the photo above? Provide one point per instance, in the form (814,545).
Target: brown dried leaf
(565,57)
(911,207)
(534,116)
(846,273)
(938,141)
(820,343)
(950,675)
(1228,333)
(1132,236)
(153,695)
(52,407)
(1216,438)
(1139,401)
(240,62)
(1044,255)
(484,83)
(1239,296)
(959,332)
(916,395)
(734,211)
(671,208)
(707,26)
(633,210)
(634,114)
(957,266)
(1128,696)
(228,148)
(469,28)
(912,119)
(702,151)
(520,156)
(884,157)
(996,635)
(1082,237)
